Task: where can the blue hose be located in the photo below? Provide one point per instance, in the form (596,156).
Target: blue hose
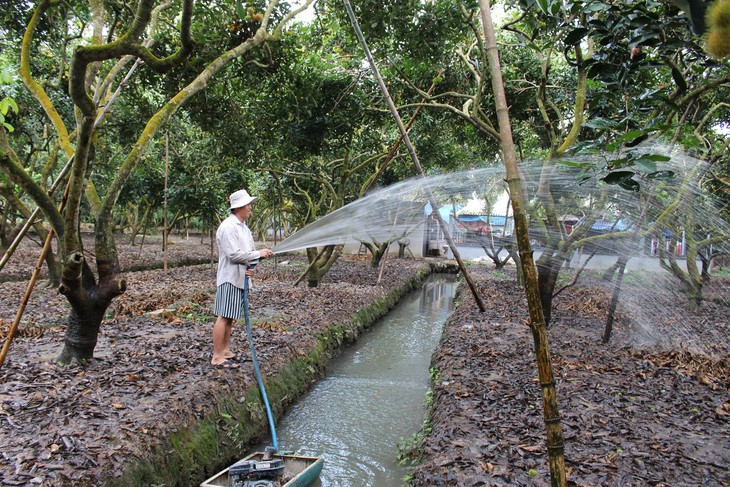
(256,368)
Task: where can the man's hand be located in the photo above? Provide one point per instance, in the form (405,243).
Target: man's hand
(266,253)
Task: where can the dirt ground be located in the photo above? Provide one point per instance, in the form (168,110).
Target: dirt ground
(641,410)
(636,412)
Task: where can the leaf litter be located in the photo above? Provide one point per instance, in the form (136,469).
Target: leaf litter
(630,415)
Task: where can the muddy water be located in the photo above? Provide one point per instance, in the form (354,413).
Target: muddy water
(373,395)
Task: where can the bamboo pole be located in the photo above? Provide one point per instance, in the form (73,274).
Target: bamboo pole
(551,413)
(31,219)
(164,225)
(412,152)
(390,155)
(26,297)
(33,278)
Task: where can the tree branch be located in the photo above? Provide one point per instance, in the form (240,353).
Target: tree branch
(33,86)
(12,166)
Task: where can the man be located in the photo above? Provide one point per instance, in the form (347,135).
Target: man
(236,250)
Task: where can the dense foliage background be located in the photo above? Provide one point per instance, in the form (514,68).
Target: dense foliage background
(164,108)
(301,115)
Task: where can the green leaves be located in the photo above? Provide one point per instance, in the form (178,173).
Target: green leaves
(550,7)
(7,103)
(6,77)
(576,36)
(623,179)
(622,175)
(240,10)
(648,162)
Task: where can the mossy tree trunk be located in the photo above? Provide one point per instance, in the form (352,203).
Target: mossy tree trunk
(692,280)
(680,219)
(136,222)
(402,246)
(91,94)
(89,301)
(320,262)
(493,247)
(377,251)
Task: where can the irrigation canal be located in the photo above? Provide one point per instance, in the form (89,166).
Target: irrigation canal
(373,394)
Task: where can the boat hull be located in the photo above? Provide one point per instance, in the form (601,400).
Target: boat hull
(299,471)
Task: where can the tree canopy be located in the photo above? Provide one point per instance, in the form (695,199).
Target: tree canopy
(240,94)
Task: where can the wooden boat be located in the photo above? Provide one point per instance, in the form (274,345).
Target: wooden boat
(299,471)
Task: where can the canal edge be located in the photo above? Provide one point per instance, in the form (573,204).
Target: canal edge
(236,422)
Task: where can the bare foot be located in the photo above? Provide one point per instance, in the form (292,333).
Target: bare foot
(226,364)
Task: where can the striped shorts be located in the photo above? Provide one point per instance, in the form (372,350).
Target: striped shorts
(228,301)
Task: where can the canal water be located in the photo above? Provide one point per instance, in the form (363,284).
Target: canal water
(373,394)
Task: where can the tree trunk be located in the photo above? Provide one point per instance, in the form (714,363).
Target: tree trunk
(54,269)
(621,267)
(402,246)
(82,332)
(321,262)
(89,301)
(695,296)
(492,250)
(377,251)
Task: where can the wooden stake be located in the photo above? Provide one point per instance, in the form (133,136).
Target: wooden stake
(551,413)
(26,297)
(14,245)
(414,156)
(164,229)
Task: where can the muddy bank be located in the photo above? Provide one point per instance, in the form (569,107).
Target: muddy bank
(151,400)
(630,416)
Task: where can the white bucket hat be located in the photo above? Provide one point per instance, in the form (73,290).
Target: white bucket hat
(241,198)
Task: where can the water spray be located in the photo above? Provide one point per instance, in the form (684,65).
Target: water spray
(412,152)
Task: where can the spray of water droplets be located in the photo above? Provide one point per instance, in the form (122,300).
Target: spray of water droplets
(657,199)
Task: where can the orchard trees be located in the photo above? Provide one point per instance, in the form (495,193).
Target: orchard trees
(638,81)
(178,49)
(328,139)
(590,80)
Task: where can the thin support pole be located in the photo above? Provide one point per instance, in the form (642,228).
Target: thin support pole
(551,412)
(31,219)
(33,279)
(164,229)
(412,152)
(26,297)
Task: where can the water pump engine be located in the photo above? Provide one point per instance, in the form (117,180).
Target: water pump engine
(257,473)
